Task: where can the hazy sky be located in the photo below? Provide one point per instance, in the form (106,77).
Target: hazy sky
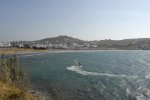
(84,19)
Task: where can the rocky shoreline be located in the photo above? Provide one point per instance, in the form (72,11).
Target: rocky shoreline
(39,95)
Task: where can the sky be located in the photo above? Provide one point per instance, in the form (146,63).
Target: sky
(83,19)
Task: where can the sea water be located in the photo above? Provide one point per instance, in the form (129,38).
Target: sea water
(103,75)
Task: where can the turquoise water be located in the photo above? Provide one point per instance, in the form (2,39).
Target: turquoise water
(104,75)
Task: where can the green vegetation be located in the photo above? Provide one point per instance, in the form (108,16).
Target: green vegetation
(14,83)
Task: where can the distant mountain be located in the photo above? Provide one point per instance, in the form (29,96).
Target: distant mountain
(127,44)
(62,39)
(74,43)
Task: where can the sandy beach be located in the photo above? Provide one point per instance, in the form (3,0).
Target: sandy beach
(36,51)
(30,51)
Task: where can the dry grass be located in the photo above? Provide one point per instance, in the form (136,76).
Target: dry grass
(10,92)
(14,83)
(19,50)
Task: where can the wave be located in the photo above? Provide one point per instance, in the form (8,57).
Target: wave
(147,76)
(33,54)
(142,93)
(78,69)
(145,95)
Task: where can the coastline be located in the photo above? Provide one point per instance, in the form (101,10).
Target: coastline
(21,51)
(29,52)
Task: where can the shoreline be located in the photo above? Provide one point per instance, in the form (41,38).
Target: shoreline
(41,93)
(21,51)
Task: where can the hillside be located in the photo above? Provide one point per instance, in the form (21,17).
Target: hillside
(62,39)
(66,42)
(126,44)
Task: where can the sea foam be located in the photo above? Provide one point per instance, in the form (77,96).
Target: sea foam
(78,69)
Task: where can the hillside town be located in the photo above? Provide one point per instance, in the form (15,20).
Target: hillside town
(60,42)
(65,42)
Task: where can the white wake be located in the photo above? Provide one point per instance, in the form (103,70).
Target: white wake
(78,69)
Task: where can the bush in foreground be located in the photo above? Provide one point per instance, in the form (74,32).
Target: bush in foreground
(14,83)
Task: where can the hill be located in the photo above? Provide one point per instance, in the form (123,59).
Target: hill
(66,42)
(62,39)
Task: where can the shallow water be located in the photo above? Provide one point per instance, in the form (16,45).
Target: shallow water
(104,75)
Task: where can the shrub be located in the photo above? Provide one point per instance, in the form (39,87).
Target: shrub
(14,83)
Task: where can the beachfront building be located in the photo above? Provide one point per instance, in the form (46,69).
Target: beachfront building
(5,44)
